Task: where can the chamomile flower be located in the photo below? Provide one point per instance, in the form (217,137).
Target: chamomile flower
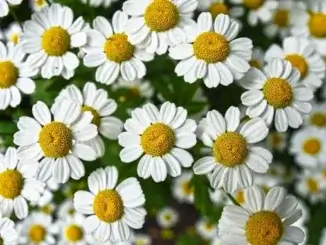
(182,190)
(112,209)
(5,4)
(276,141)
(109,49)
(212,53)
(162,136)
(317,117)
(66,209)
(216,7)
(158,24)
(142,239)
(235,156)
(49,37)
(59,142)
(206,229)
(264,220)
(259,10)
(257,59)
(37,228)
(15,76)
(276,92)
(18,184)
(302,55)
(308,147)
(97,102)
(45,202)
(8,232)
(13,33)
(37,5)
(98,3)
(167,217)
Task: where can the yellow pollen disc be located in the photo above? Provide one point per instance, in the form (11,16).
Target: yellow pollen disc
(211,47)
(278,92)
(56,41)
(317,25)
(209,226)
(264,228)
(230,149)
(108,206)
(55,140)
(118,49)
(281,17)
(37,233)
(47,209)
(168,217)
(239,197)
(8,74)
(161,15)
(39,2)
(11,184)
(318,119)
(312,185)
(298,62)
(187,188)
(253,4)
(158,139)
(14,38)
(71,211)
(255,63)
(312,146)
(96,117)
(74,233)
(218,8)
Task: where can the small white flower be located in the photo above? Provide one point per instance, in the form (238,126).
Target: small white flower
(49,37)
(276,91)
(257,59)
(37,5)
(264,220)
(5,4)
(162,136)
(8,232)
(235,156)
(136,88)
(13,33)
(112,209)
(15,76)
(276,141)
(59,140)
(212,53)
(167,217)
(142,239)
(66,209)
(158,24)
(18,184)
(317,117)
(109,49)
(182,190)
(206,229)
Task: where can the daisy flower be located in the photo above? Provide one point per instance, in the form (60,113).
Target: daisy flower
(110,50)
(264,220)
(37,228)
(302,55)
(45,204)
(13,33)
(98,3)
(60,142)
(235,156)
(5,4)
(158,24)
(37,5)
(18,184)
(8,232)
(167,217)
(308,146)
(259,10)
(124,201)
(15,76)
(182,190)
(162,136)
(276,141)
(257,59)
(49,37)
(142,239)
(97,102)
(206,229)
(66,209)
(212,53)
(277,89)
(317,117)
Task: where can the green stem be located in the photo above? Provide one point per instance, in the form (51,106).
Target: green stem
(13,14)
(232,199)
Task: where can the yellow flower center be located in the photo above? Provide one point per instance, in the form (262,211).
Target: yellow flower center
(71,211)
(14,38)
(161,15)
(11,184)
(230,149)
(312,185)
(281,17)
(239,197)
(56,41)
(158,139)
(108,206)
(74,233)
(55,140)
(37,233)
(317,25)
(211,47)
(264,228)
(318,119)
(187,188)
(8,74)
(209,226)
(255,63)
(168,217)
(298,62)
(253,4)
(278,92)
(118,49)
(39,3)
(275,139)
(47,209)
(312,146)
(96,116)
(218,8)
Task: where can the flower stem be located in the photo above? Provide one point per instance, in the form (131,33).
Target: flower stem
(232,199)
(14,16)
